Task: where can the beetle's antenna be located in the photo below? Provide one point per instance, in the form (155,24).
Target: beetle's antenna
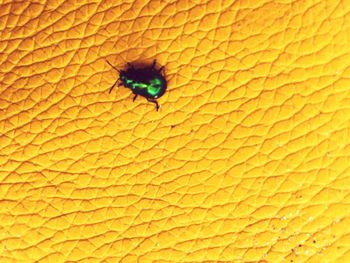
(116,83)
(112,66)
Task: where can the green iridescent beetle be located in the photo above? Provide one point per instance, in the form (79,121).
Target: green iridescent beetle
(147,82)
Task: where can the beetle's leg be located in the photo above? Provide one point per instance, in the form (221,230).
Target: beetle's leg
(134,98)
(161,69)
(115,83)
(155,102)
(154,63)
(130,65)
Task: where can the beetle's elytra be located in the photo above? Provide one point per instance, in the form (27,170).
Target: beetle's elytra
(147,82)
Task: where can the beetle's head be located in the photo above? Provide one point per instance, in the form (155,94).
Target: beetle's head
(123,75)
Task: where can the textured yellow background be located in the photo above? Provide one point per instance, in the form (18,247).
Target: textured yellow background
(247,160)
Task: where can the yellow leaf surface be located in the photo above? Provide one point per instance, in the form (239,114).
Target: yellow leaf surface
(247,160)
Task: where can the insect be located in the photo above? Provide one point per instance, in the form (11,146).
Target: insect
(147,82)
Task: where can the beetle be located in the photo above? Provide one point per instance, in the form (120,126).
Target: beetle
(147,82)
